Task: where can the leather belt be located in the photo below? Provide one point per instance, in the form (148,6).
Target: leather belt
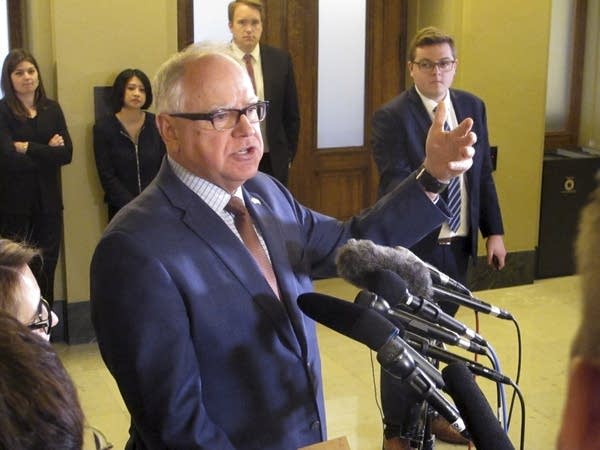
(449,240)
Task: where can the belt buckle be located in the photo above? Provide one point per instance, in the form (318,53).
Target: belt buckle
(445,241)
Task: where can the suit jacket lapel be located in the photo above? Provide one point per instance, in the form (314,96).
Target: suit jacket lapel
(419,112)
(209,227)
(275,240)
(267,71)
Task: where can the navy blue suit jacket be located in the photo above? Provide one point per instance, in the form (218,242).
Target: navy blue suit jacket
(399,130)
(203,353)
(283,117)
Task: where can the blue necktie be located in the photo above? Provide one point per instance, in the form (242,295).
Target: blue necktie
(453,197)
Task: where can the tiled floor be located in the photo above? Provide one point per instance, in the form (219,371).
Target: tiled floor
(547,313)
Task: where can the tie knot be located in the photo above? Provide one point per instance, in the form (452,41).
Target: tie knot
(248,58)
(236,207)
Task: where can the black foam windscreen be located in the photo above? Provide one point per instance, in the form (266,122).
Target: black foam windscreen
(387,284)
(482,425)
(355,321)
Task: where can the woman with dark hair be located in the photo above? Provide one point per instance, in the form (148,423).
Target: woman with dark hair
(34,144)
(39,406)
(127,145)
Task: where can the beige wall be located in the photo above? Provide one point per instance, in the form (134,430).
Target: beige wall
(502,48)
(82,44)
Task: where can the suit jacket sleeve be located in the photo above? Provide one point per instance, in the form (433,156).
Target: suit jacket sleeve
(291,112)
(390,146)
(152,354)
(52,120)
(490,217)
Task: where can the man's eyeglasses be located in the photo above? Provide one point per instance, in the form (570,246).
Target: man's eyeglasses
(225,119)
(43,320)
(445,65)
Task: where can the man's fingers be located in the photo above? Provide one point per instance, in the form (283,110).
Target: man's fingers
(461,166)
(464,127)
(440,116)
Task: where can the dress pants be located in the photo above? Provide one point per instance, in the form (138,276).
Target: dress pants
(43,231)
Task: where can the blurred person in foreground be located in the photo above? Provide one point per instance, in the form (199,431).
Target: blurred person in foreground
(39,407)
(194,283)
(580,429)
(19,291)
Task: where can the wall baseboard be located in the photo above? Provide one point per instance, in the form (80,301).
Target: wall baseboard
(519,270)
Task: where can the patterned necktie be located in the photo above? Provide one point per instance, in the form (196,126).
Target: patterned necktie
(250,69)
(243,223)
(453,197)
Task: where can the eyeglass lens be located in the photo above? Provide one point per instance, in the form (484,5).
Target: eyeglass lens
(228,118)
(43,321)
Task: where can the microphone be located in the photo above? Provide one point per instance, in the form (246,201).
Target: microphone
(470,302)
(485,430)
(440,278)
(368,327)
(392,287)
(357,258)
(342,315)
(437,353)
(417,325)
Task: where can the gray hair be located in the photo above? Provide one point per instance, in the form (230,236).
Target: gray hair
(168,88)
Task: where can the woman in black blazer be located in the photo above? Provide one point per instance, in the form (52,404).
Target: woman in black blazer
(127,146)
(34,144)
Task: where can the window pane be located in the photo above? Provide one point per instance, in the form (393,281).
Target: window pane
(341,77)
(558,91)
(3,29)
(210,20)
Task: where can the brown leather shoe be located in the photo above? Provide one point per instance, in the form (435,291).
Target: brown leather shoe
(396,443)
(444,432)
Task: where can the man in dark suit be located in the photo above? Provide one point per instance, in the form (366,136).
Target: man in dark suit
(398,138)
(207,353)
(273,80)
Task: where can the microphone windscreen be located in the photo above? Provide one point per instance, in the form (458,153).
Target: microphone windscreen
(356,259)
(483,426)
(352,320)
(388,285)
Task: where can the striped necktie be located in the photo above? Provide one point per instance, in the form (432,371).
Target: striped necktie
(453,197)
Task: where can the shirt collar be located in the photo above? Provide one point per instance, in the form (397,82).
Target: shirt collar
(431,104)
(239,54)
(214,196)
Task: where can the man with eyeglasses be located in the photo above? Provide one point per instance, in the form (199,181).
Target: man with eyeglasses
(19,291)
(194,283)
(272,75)
(399,130)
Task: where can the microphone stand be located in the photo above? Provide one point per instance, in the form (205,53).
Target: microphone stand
(418,429)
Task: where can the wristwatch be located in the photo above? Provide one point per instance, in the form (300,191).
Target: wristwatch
(429,182)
